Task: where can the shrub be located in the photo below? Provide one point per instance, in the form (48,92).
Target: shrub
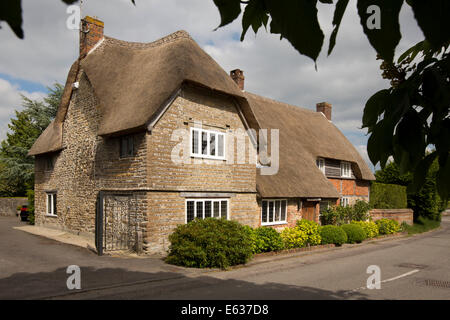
(268,239)
(30,196)
(209,243)
(311,228)
(370,228)
(294,237)
(360,211)
(387,226)
(333,234)
(355,233)
(252,236)
(387,196)
(336,215)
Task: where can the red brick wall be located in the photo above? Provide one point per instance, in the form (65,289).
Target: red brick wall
(400,215)
(351,188)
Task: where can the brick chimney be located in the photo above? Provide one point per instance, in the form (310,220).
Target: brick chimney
(91,33)
(238,76)
(325,108)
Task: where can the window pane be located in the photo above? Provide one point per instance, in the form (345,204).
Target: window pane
(207,209)
(264,211)
(216,209)
(195,141)
(49,203)
(212,144)
(283,210)
(54,203)
(270,211)
(130,146)
(190,211)
(220,142)
(277,210)
(204,143)
(199,209)
(223,209)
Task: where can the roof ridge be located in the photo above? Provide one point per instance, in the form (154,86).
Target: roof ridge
(180,34)
(257,96)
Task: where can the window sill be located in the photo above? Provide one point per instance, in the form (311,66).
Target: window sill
(266,224)
(51,215)
(208,158)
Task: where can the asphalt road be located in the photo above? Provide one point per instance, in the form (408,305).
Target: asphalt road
(417,267)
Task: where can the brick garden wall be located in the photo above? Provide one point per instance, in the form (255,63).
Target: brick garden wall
(400,215)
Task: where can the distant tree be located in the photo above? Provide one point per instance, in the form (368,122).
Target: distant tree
(16,167)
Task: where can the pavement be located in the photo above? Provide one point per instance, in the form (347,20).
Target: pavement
(418,267)
(58,235)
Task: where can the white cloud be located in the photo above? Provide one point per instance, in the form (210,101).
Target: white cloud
(272,67)
(10,100)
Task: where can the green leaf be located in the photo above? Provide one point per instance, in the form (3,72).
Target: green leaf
(374,108)
(410,136)
(443,178)
(385,39)
(420,172)
(433,18)
(255,15)
(229,10)
(11,12)
(297,22)
(341,5)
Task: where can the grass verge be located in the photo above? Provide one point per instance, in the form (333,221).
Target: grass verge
(422,225)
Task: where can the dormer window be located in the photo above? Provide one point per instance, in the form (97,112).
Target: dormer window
(126,146)
(346,169)
(321,164)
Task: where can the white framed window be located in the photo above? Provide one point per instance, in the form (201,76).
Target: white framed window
(344,201)
(207,144)
(206,208)
(320,162)
(51,203)
(346,169)
(273,211)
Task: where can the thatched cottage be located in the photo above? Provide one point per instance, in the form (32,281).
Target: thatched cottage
(150,135)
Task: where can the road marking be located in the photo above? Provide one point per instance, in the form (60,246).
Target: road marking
(390,279)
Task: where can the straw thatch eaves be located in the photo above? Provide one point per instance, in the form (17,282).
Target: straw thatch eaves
(133,81)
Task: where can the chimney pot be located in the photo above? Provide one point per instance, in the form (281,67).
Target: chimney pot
(325,108)
(91,33)
(238,76)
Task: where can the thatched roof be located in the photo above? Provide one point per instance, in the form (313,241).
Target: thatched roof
(133,81)
(304,135)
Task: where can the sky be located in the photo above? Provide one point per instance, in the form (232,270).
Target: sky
(272,68)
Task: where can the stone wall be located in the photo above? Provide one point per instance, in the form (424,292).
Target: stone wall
(8,206)
(399,215)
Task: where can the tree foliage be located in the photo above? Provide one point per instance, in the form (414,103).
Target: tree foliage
(425,201)
(16,167)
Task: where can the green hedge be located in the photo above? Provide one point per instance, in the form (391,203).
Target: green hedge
(210,243)
(387,226)
(387,196)
(355,233)
(331,234)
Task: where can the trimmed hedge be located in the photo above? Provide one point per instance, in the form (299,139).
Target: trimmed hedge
(294,237)
(370,228)
(387,226)
(209,243)
(267,239)
(355,233)
(311,228)
(331,234)
(387,196)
